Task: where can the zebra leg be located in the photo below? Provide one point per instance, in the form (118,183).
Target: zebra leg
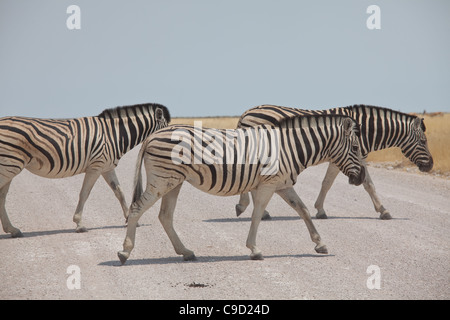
(165,216)
(244,201)
(290,196)
(370,188)
(111,179)
(327,182)
(261,198)
(137,208)
(89,180)
(7,226)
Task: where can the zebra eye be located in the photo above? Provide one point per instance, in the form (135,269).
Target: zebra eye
(355,148)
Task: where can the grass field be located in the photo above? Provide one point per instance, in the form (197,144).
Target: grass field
(210,122)
(438,134)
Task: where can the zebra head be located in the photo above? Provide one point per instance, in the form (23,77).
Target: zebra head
(415,146)
(347,153)
(162,117)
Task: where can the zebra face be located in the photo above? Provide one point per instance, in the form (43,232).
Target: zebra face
(415,147)
(161,120)
(349,159)
(356,172)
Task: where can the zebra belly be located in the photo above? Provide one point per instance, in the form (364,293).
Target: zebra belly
(228,180)
(42,168)
(37,167)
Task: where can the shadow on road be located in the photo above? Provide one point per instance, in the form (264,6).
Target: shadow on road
(289,218)
(30,234)
(249,219)
(205,259)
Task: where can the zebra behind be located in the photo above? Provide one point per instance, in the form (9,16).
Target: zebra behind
(59,148)
(381,128)
(229,162)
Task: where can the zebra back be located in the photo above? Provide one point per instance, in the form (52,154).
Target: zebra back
(381,128)
(57,148)
(227,162)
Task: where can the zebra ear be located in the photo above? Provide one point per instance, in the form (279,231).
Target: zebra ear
(348,126)
(418,123)
(423,125)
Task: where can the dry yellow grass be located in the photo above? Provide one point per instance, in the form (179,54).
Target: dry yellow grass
(438,134)
(210,122)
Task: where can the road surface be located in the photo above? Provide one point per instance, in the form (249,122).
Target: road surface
(407,257)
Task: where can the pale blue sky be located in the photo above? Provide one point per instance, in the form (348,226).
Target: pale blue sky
(208,58)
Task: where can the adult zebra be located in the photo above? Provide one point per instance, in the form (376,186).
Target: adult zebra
(263,160)
(59,148)
(381,128)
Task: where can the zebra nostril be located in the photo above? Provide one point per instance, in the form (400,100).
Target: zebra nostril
(357,178)
(425,166)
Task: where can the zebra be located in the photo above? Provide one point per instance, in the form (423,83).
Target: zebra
(59,148)
(381,128)
(185,153)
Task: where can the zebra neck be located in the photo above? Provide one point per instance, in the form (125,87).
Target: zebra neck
(309,150)
(381,128)
(128,132)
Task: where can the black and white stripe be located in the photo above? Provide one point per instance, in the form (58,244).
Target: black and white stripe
(381,128)
(262,160)
(58,148)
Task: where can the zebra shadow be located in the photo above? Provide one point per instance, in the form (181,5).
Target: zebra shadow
(290,218)
(249,219)
(358,218)
(204,259)
(31,234)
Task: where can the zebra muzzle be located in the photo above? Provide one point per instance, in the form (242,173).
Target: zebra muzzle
(425,166)
(357,179)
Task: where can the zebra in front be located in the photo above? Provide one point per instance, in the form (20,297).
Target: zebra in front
(262,160)
(381,128)
(59,148)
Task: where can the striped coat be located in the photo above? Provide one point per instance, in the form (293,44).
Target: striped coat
(262,160)
(59,148)
(381,128)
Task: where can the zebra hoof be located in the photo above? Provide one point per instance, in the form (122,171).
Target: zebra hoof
(123,256)
(189,257)
(256,256)
(239,210)
(17,234)
(385,216)
(321,249)
(266,216)
(81,229)
(321,214)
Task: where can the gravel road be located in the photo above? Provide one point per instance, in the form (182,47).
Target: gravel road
(408,256)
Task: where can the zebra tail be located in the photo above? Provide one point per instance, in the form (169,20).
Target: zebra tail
(138,174)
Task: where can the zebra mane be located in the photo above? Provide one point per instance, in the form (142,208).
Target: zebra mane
(380,108)
(292,120)
(133,109)
(315,120)
(377,109)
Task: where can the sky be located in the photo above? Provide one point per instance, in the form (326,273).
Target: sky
(220,58)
